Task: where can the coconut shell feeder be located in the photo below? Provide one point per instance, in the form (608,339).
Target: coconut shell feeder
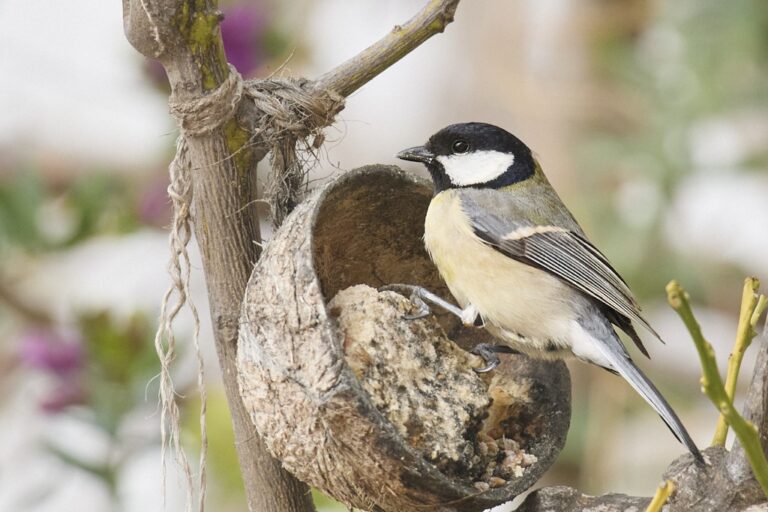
(380,412)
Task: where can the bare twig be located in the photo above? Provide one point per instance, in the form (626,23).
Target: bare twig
(403,39)
(712,386)
(752,307)
(663,493)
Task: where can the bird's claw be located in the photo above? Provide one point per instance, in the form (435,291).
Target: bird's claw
(414,295)
(423,310)
(419,296)
(487,352)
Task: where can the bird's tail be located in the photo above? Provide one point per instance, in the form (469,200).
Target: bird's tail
(632,374)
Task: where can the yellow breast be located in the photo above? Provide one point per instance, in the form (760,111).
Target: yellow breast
(446,225)
(511,296)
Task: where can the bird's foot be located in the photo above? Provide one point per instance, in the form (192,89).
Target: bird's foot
(419,296)
(488,352)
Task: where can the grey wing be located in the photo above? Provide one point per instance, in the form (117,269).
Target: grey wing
(568,256)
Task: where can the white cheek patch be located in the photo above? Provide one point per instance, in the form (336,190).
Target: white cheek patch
(476,167)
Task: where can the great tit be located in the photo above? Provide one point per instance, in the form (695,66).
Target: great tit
(519,264)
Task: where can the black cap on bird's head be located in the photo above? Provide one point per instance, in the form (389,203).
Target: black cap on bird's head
(477,155)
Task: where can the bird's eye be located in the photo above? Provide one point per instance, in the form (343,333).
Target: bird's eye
(460,146)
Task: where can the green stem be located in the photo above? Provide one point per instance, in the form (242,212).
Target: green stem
(712,386)
(762,305)
(663,493)
(744,334)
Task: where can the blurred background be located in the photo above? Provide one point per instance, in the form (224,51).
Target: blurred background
(649,117)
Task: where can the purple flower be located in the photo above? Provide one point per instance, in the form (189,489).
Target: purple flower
(62,357)
(51,352)
(242,31)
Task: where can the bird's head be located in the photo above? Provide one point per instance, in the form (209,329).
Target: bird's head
(477,155)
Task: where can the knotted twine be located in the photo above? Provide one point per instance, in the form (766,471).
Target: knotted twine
(287,113)
(290,113)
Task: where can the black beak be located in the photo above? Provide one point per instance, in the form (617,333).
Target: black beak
(417,154)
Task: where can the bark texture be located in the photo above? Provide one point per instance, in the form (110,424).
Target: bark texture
(709,488)
(308,404)
(562,498)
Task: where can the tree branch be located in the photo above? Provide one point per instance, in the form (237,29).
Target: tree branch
(403,39)
(184,35)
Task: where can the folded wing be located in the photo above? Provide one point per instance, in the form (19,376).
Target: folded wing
(568,256)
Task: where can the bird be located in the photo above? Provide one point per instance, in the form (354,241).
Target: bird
(520,266)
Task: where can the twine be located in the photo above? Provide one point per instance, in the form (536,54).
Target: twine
(202,115)
(175,298)
(288,112)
